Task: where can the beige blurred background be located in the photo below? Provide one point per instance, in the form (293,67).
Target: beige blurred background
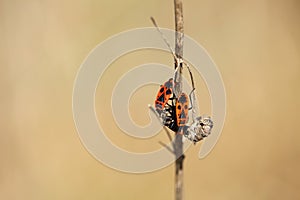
(256,45)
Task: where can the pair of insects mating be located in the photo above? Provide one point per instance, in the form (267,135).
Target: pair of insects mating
(174,113)
(172,105)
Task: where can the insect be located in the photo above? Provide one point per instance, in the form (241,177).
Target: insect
(172,110)
(174,114)
(182,109)
(172,105)
(165,105)
(163,95)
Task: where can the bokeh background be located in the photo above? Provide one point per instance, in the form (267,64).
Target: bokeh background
(256,45)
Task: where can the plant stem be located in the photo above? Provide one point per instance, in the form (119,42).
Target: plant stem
(178,150)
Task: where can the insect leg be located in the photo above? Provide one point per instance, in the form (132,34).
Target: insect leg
(191,98)
(191,75)
(154,111)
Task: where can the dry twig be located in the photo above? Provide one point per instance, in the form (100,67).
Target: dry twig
(178,59)
(178,138)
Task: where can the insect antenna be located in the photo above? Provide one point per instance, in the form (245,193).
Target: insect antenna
(178,78)
(191,75)
(172,51)
(164,38)
(192,93)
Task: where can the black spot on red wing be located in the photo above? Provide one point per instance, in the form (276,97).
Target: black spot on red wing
(161,89)
(178,107)
(185,107)
(168,91)
(182,116)
(161,98)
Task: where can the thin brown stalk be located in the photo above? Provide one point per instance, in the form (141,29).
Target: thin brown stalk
(178,146)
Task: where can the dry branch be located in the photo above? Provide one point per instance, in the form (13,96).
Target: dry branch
(178,138)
